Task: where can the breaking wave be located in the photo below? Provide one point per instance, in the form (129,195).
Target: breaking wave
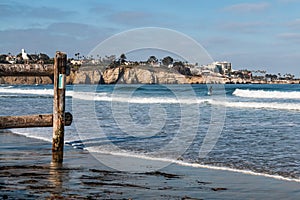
(48,92)
(260,105)
(266,94)
(103,96)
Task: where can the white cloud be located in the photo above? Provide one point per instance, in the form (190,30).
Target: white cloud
(248,7)
(289,1)
(244,27)
(132,18)
(21,11)
(289,36)
(294,24)
(68,37)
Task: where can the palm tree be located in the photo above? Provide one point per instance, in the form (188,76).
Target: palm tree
(122,58)
(152,59)
(167,60)
(77,55)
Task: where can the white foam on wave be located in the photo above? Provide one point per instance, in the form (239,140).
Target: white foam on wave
(10,86)
(150,100)
(32,134)
(26,91)
(10,90)
(266,94)
(194,165)
(103,96)
(137,100)
(259,105)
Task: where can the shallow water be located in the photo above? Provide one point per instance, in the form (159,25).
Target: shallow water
(26,172)
(251,128)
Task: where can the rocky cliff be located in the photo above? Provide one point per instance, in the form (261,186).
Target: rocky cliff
(85,77)
(142,75)
(147,75)
(25,80)
(100,75)
(42,74)
(26,69)
(25,74)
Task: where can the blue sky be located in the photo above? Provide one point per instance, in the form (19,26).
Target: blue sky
(250,34)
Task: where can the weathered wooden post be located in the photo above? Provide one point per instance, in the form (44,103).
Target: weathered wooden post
(60,64)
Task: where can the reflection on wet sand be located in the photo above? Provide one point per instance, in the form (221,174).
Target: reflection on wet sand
(56,176)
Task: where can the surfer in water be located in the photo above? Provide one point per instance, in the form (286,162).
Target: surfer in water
(210,91)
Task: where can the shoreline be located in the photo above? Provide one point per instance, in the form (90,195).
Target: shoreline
(196,165)
(27,172)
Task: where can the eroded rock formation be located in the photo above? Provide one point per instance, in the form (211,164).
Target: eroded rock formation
(98,75)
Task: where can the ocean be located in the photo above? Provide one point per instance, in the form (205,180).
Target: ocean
(251,129)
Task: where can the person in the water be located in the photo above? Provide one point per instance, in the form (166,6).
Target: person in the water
(210,90)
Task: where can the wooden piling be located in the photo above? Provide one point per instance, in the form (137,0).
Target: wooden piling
(28,121)
(60,63)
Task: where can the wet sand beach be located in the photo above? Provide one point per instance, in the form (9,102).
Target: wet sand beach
(26,172)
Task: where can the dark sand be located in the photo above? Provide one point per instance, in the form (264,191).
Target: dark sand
(26,172)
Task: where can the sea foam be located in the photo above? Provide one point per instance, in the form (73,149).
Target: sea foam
(266,94)
(48,92)
(259,105)
(189,164)
(106,97)
(138,100)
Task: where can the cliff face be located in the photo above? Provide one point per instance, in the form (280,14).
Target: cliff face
(85,77)
(97,75)
(42,74)
(130,75)
(111,76)
(25,74)
(25,80)
(140,75)
(146,75)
